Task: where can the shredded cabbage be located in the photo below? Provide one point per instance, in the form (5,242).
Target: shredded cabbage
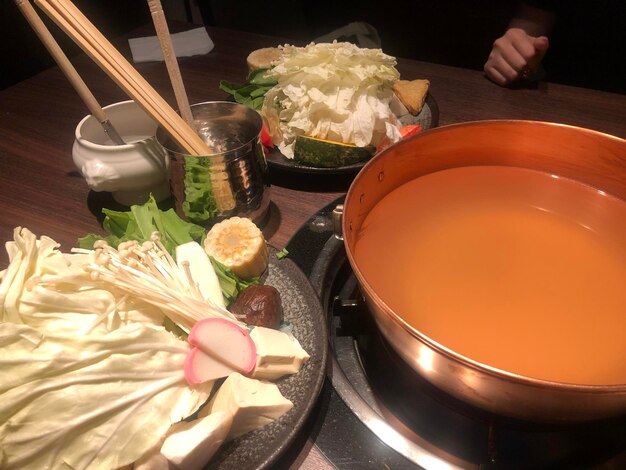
(87,379)
(332,91)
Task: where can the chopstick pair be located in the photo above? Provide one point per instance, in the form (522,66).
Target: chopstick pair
(68,69)
(94,44)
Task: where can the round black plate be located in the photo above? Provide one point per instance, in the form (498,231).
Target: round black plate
(427,118)
(303,310)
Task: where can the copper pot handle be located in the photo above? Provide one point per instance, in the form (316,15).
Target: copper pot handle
(337,216)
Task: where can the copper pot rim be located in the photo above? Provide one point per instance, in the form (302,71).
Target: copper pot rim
(489,122)
(431,343)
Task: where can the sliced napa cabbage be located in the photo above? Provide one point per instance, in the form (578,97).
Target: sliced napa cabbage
(51,291)
(92,401)
(334,91)
(88,378)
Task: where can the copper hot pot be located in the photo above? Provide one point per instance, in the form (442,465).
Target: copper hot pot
(584,155)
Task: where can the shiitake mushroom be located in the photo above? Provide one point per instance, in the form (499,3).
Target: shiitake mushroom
(259,305)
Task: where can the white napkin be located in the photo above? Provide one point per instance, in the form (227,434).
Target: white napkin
(188,43)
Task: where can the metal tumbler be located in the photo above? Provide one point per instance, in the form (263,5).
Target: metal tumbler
(233,180)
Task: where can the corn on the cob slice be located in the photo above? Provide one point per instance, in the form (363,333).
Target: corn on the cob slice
(240,245)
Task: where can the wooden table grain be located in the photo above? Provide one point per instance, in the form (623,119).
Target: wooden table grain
(41,189)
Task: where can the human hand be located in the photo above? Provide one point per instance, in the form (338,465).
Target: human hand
(514,55)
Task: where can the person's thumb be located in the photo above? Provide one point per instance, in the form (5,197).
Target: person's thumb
(541,45)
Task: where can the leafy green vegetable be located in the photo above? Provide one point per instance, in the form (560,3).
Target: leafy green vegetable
(252,92)
(231,285)
(199,204)
(140,222)
(282,253)
(259,77)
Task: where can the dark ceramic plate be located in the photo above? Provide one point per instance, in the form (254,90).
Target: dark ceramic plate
(302,308)
(427,118)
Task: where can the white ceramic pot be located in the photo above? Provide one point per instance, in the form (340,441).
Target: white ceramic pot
(131,171)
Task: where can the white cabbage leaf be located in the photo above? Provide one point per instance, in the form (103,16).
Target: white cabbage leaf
(334,91)
(87,377)
(93,401)
(75,303)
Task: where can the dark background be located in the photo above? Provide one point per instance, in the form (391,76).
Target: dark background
(588,45)
(23,55)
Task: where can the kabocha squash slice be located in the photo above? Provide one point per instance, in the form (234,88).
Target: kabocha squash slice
(329,154)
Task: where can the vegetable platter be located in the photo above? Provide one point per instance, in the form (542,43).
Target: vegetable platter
(145,349)
(426,119)
(261,448)
(328,108)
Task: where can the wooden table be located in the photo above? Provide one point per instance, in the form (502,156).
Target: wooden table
(41,189)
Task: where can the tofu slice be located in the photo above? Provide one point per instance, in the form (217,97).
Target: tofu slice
(192,444)
(188,445)
(252,403)
(277,353)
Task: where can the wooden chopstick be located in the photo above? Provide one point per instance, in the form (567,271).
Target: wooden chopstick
(131,81)
(93,43)
(68,69)
(83,35)
(169,55)
(185,135)
(94,53)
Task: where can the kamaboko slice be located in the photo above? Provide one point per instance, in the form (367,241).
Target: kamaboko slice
(238,244)
(220,347)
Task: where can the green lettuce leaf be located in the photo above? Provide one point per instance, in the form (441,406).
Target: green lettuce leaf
(252,92)
(140,222)
(200,204)
(231,285)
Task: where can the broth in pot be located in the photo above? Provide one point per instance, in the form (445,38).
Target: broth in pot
(510,267)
